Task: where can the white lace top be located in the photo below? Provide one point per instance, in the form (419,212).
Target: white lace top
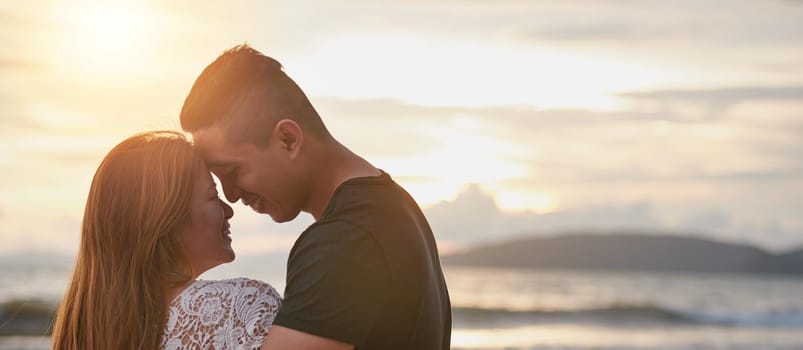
(233,314)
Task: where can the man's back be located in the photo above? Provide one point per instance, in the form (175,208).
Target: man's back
(368,272)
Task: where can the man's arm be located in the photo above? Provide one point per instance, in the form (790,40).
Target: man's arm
(287,338)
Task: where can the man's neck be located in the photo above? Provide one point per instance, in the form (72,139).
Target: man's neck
(335,166)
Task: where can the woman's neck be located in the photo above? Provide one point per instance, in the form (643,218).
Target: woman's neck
(174,291)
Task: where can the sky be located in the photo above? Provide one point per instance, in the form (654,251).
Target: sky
(502,118)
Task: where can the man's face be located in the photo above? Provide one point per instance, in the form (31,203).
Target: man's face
(260,177)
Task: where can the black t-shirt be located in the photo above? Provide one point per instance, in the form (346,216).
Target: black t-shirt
(368,273)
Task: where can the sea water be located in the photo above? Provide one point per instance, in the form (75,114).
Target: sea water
(553,309)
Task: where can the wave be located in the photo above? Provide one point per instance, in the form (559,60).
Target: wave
(471,317)
(26,317)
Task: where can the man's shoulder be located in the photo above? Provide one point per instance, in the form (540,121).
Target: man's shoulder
(334,230)
(335,244)
(358,197)
(327,239)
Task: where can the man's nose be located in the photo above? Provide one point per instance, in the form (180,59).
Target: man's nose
(231,191)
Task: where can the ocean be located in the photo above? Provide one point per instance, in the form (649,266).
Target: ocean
(552,309)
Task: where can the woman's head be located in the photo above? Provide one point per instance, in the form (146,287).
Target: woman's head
(150,223)
(153,201)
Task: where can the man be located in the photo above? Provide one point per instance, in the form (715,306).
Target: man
(366,274)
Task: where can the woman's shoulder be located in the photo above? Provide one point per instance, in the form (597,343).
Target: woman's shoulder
(235,282)
(232,287)
(220,312)
(235,293)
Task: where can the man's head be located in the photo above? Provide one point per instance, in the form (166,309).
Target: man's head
(249,121)
(246,93)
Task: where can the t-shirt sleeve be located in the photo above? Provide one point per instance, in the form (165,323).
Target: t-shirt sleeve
(338,283)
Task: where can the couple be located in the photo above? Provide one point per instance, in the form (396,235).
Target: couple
(364,275)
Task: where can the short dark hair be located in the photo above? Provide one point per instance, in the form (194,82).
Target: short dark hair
(243,77)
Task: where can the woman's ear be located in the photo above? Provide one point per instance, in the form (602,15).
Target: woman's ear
(289,136)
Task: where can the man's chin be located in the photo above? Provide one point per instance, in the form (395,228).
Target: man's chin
(258,210)
(257,206)
(280,217)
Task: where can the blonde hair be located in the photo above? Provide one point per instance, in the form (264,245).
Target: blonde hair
(130,251)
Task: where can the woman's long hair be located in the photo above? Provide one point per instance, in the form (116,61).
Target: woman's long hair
(130,251)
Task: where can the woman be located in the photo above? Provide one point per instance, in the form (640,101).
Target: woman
(153,223)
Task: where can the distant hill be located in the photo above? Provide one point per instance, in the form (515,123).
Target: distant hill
(629,252)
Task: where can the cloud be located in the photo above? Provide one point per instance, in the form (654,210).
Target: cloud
(613,147)
(761,176)
(706,219)
(693,23)
(601,30)
(607,21)
(373,112)
(474,218)
(722,96)
(381,112)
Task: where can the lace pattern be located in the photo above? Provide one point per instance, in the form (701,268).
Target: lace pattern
(233,314)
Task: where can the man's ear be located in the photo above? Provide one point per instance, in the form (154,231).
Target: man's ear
(289,136)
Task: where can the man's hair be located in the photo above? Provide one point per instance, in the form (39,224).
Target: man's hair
(246,93)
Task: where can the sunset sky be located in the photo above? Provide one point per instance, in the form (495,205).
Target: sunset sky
(502,118)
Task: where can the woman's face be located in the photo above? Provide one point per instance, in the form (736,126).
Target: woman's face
(206,237)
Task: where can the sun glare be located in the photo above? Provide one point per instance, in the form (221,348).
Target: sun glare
(469,153)
(466,155)
(451,73)
(104,40)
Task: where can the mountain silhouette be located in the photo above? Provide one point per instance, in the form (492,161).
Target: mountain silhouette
(629,252)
